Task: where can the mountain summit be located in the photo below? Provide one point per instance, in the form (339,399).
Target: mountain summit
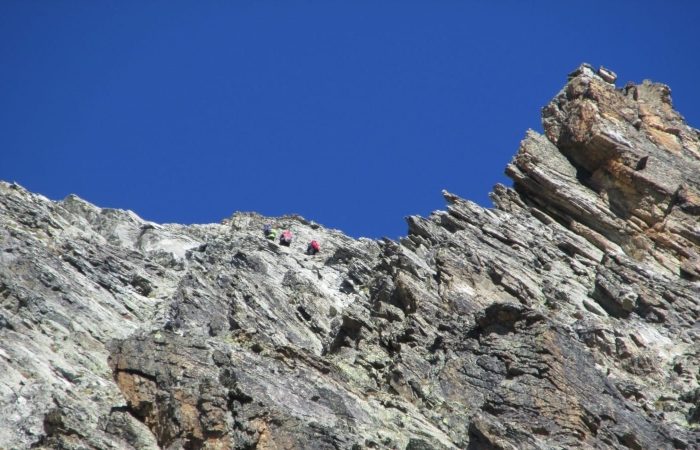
(565,317)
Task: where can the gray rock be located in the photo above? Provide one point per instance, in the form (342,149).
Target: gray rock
(607,74)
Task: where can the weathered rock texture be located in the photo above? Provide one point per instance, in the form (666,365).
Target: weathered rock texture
(565,317)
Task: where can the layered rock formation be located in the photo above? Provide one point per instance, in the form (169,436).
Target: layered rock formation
(565,317)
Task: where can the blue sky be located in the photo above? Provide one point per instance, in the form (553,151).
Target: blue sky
(353,114)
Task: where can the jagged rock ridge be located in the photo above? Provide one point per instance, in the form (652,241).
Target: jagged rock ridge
(565,317)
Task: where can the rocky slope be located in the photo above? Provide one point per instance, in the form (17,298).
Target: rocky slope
(565,317)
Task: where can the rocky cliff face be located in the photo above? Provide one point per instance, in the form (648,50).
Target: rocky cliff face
(565,317)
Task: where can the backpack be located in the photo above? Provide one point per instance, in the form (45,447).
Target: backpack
(286,236)
(315,245)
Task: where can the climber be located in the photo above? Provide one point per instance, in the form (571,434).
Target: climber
(286,238)
(270,233)
(313,248)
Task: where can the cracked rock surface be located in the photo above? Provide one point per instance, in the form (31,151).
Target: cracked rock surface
(567,316)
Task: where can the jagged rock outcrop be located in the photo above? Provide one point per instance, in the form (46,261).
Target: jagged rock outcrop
(565,317)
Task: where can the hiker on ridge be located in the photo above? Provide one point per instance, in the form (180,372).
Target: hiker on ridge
(270,233)
(286,238)
(313,248)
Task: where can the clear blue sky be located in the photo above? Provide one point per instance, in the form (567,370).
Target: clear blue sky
(354,114)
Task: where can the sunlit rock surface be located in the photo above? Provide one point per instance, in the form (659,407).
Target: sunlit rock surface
(565,317)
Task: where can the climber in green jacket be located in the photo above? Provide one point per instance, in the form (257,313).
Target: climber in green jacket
(270,232)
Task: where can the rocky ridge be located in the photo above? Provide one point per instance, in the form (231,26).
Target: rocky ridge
(565,317)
